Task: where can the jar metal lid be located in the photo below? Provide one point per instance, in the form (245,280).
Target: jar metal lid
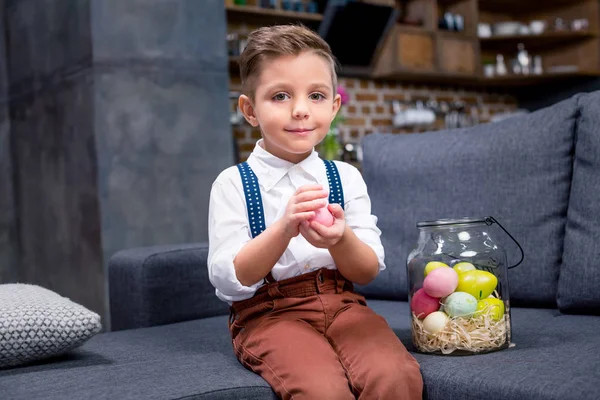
(456,221)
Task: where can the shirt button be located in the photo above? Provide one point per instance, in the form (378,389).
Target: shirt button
(306,267)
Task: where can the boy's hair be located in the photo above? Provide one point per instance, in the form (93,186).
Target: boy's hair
(280,40)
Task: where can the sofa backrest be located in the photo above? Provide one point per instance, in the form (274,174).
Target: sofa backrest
(579,282)
(518,171)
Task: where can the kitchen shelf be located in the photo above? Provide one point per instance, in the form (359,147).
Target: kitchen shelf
(456,35)
(499,82)
(425,54)
(523,6)
(407,28)
(431,77)
(260,14)
(529,80)
(547,38)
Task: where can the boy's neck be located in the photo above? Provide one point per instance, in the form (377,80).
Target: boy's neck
(301,157)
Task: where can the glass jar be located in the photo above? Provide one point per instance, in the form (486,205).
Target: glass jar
(458,288)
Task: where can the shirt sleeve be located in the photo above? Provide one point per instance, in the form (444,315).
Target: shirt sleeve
(357,211)
(228,232)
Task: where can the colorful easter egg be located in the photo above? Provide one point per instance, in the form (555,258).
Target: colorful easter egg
(434,265)
(435,322)
(479,284)
(460,304)
(323,216)
(423,304)
(440,282)
(492,307)
(463,267)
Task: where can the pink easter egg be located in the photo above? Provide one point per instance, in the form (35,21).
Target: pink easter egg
(440,282)
(323,216)
(423,304)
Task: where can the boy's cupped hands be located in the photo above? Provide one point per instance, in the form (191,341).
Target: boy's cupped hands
(301,209)
(322,236)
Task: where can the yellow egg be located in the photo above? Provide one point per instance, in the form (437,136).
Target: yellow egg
(435,322)
(463,267)
(434,265)
(479,284)
(492,307)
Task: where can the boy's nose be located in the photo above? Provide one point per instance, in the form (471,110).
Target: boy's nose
(300,110)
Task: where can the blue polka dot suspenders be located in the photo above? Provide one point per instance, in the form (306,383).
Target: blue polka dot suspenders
(254,205)
(256,215)
(336,194)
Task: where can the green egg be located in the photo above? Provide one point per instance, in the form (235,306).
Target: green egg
(479,284)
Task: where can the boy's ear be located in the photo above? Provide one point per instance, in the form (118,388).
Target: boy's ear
(337,103)
(246,107)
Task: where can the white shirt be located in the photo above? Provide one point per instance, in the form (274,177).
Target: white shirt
(229,230)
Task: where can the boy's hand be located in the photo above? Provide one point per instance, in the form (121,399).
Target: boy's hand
(302,207)
(325,237)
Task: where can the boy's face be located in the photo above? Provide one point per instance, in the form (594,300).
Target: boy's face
(294,104)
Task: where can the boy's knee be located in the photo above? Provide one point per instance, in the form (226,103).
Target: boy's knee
(400,380)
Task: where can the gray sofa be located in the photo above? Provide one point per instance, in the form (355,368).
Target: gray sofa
(539,175)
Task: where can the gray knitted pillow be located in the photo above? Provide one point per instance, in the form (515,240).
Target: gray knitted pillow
(36,323)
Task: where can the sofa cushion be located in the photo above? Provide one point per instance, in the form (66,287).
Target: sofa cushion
(517,170)
(191,360)
(36,323)
(555,357)
(580,272)
(161,285)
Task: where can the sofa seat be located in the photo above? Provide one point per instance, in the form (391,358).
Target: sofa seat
(188,360)
(555,356)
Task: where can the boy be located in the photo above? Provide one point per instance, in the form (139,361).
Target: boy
(295,318)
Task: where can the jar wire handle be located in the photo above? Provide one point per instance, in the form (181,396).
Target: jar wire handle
(492,220)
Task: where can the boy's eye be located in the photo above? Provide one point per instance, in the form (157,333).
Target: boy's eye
(317,96)
(280,96)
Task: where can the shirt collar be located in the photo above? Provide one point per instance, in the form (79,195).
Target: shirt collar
(270,169)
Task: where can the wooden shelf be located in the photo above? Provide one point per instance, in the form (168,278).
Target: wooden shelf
(428,55)
(522,6)
(529,80)
(478,81)
(413,29)
(456,35)
(547,38)
(258,14)
(428,77)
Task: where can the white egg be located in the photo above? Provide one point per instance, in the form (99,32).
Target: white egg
(435,322)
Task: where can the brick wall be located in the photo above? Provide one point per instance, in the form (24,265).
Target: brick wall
(369,108)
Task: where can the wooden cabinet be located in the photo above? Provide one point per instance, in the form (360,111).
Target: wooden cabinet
(429,52)
(414,50)
(428,48)
(458,55)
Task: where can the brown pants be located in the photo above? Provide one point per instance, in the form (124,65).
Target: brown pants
(313,337)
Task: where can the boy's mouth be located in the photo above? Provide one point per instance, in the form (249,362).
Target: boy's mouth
(299,131)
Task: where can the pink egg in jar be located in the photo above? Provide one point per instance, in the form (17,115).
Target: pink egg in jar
(440,282)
